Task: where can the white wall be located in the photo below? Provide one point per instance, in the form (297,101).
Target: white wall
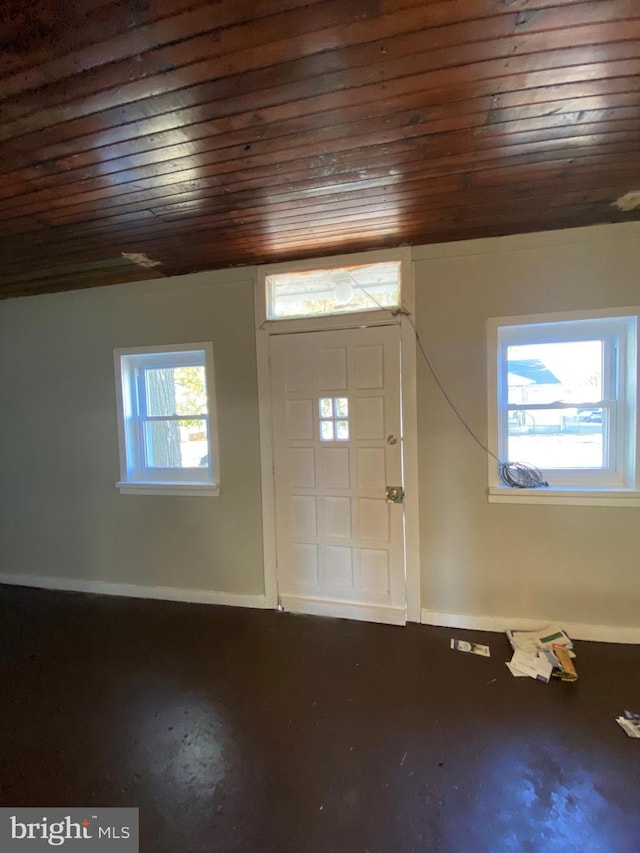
(63,518)
(61,514)
(577,564)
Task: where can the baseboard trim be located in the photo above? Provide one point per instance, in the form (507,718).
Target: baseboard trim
(320,607)
(343,610)
(576,630)
(162,593)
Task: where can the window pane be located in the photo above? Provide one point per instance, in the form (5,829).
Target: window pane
(558,438)
(326,407)
(176,444)
(191,390)
(176,391)
(160,386)
(341,407)
(313,293)
(342,430)
(326,430)
(555,373)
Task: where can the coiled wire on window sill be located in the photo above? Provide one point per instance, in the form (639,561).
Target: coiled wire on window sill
(520,475)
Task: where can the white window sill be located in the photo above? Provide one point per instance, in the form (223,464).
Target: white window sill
(564,497)
(139,488)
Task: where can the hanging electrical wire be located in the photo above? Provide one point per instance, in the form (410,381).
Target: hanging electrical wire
(516,475)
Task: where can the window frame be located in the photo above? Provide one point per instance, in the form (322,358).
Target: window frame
(136,477)
(618,329)
(340,319)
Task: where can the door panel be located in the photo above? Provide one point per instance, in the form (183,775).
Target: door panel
(336,398)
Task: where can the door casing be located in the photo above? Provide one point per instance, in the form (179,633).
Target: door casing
(408,350)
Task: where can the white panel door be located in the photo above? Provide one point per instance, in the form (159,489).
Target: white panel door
(336,402)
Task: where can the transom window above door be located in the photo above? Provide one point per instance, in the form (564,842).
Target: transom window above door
(334,418)
(336,290)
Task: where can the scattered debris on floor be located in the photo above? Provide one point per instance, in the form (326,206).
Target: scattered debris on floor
(542,654)
(629,721)
(474,648)
(566,671)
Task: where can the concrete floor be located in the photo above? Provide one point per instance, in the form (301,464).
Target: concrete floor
(237,730)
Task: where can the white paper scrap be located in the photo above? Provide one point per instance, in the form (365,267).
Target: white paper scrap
(531,640)
(554,635)
(525,640)
(514,671)
(631,727)
(474,648)
(535,667)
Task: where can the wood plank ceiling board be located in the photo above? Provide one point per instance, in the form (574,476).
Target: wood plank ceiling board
(146,138)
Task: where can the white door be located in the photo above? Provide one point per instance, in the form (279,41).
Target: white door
(337,446)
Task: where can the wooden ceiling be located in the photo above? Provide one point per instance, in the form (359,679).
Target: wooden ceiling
(191,135)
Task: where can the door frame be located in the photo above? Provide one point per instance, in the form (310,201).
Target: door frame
(408,354)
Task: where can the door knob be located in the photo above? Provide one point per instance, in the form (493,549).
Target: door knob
(395,494)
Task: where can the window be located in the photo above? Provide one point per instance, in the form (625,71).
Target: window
(563,398)
(333,290)
(334,418)
(168,434)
